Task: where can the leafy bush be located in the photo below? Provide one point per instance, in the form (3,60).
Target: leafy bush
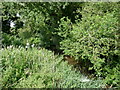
(35,68)
(10,40)
(94,39)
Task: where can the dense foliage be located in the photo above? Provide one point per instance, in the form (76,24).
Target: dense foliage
(89,32)
(95,39)
(36,24)
(35,68)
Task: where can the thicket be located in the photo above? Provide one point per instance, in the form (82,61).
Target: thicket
(87,31)
(95,39)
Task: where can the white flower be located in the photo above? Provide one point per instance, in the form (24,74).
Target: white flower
(84,79)
(27,44)
(12,24)
(32,45)
(19,47)
(2,49)
(18,15)
(10,46)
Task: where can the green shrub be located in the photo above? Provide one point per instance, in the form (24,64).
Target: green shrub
(35,68)
(10,40)
(95,39)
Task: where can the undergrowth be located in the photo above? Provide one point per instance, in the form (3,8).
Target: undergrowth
(35,68)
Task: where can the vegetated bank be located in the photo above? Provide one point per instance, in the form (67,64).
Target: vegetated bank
(89,32)
(33,68)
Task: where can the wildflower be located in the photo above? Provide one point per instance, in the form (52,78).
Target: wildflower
(18,15)
(12,24)
(84,79)
(19,47)
(27,44)
(11,46)
(8,47)
(2,49)
(32,45)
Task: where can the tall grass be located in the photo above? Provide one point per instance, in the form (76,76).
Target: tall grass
(35,68)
